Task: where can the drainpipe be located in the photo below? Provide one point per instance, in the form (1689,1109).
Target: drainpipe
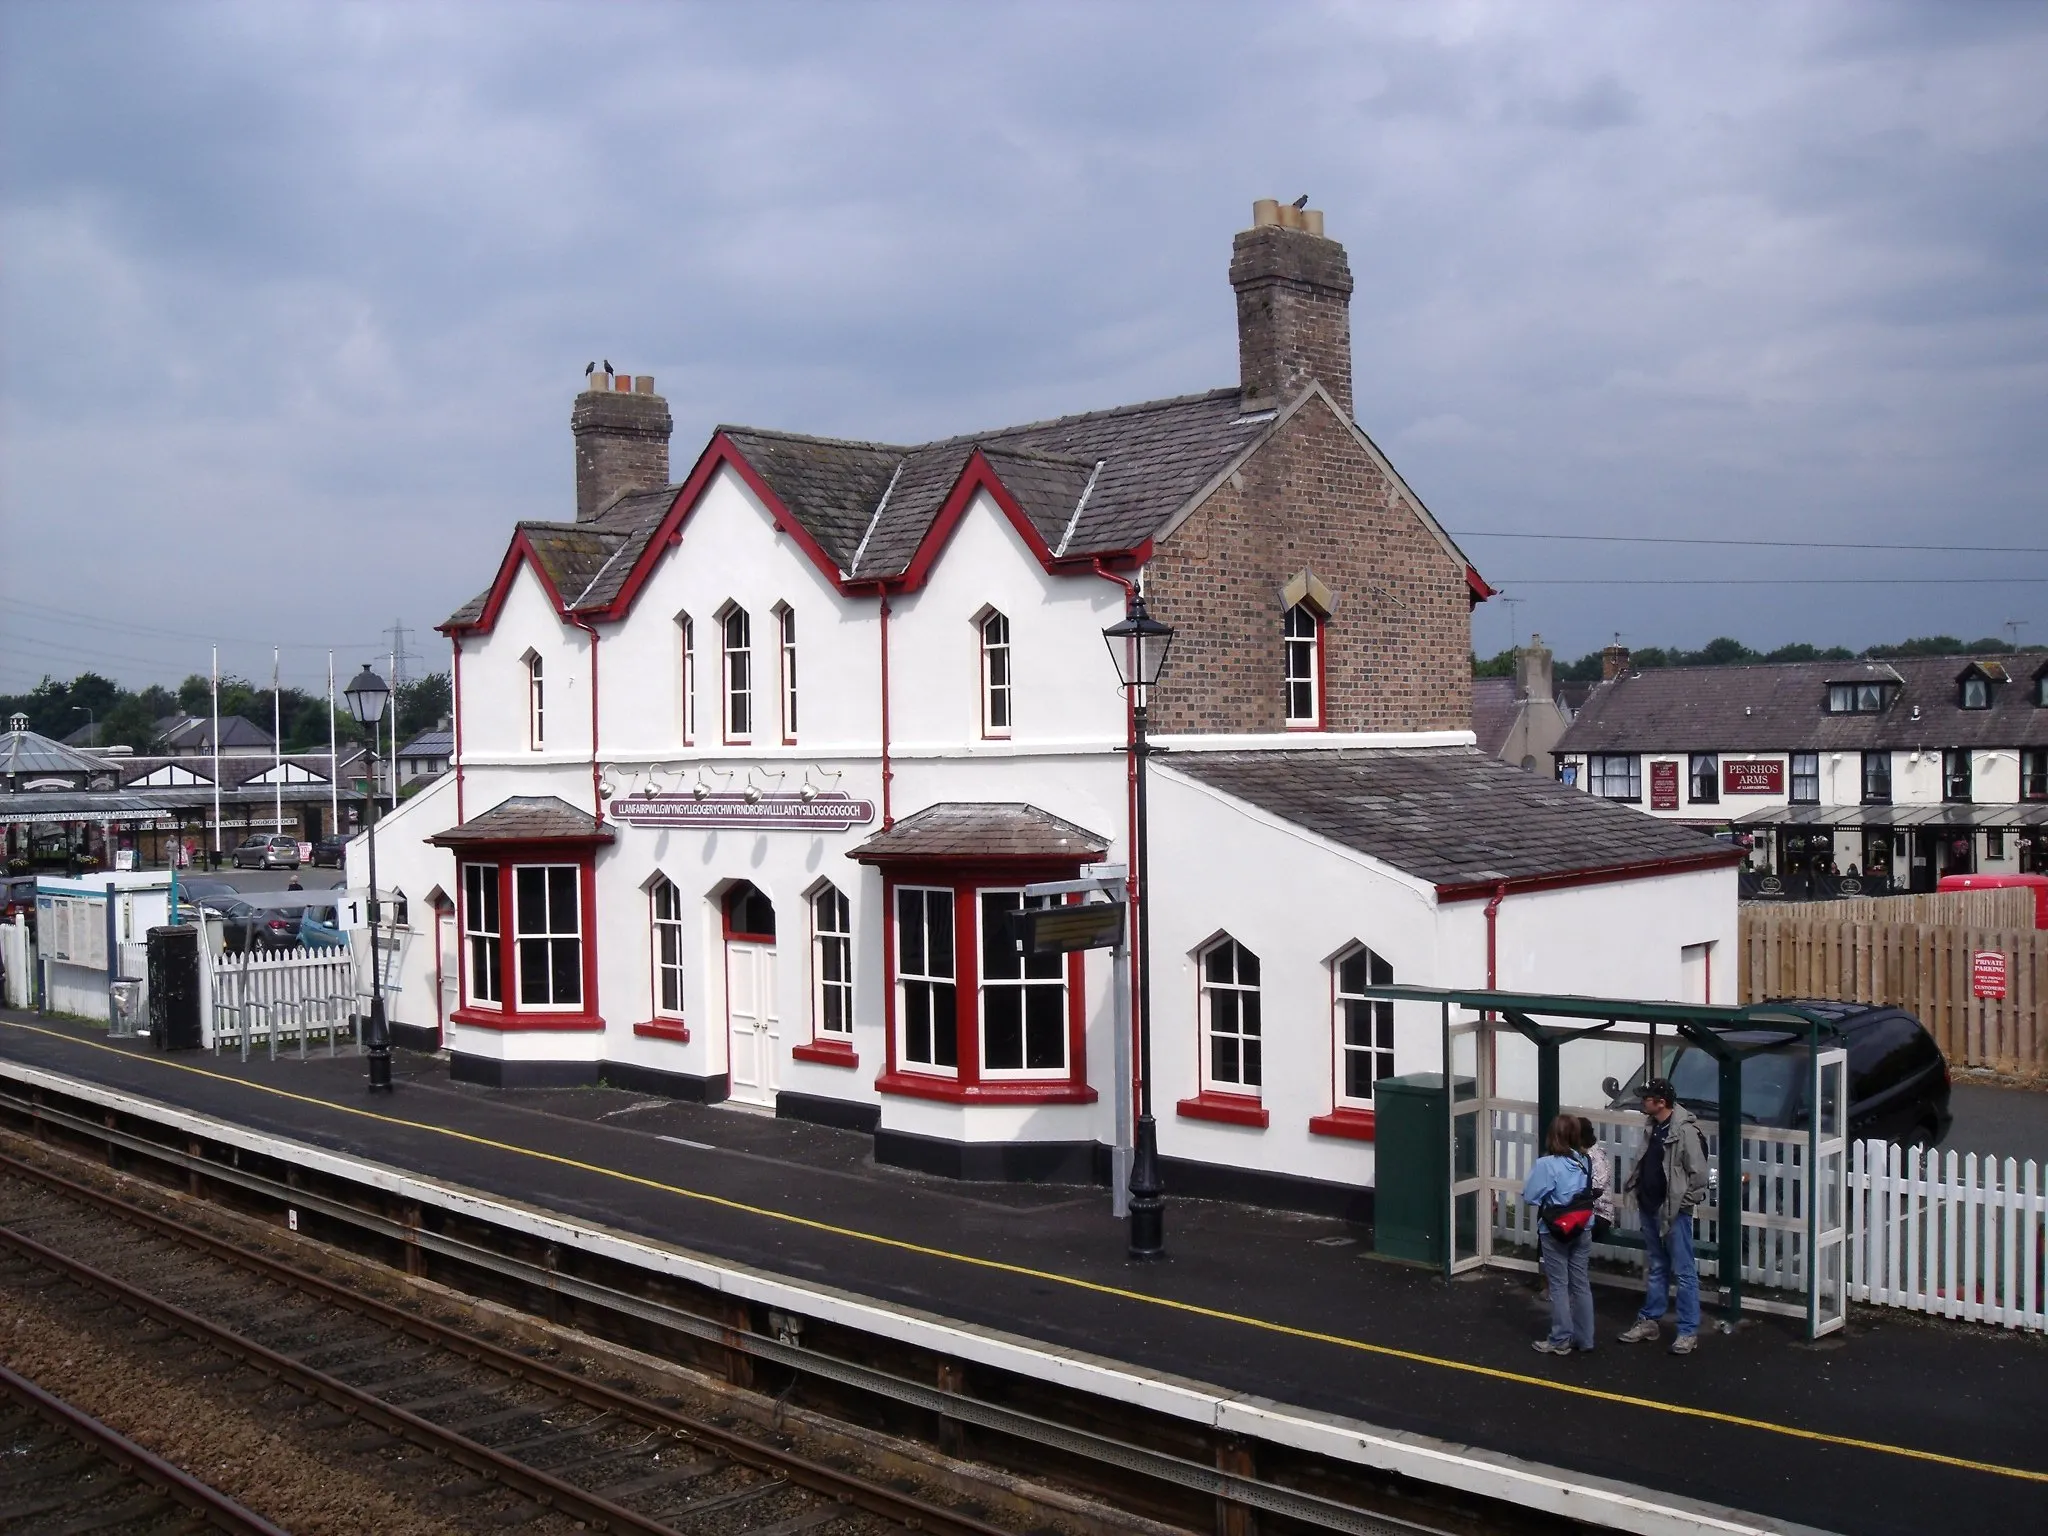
(888,773)
(596,778)
(1500,894)
(458,728)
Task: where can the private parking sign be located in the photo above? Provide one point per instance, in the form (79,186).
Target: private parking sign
(1987,973)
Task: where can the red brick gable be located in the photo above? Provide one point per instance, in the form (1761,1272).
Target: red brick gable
(1312,497)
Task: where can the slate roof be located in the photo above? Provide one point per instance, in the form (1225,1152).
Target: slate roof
(29,752)
(194,733)
(526,819)
(1450,815)
(982,830)
(1494,706)
(430,744)
(1096,483)
(1783,706)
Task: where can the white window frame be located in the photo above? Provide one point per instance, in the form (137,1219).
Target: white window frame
(1023,984)
(785,635)
(831,936)
(1802,769)
(687,640)
(548,937)
(908,981)
(1975,693)
(736,680)
(1378,1015)
(1711,777)
(998,681)
(1303,668)
(1212,991)
(536,703)
(483,947)
(1603,777)
(665,947)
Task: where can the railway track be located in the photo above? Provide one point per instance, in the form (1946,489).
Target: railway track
(494,1421)
(63,1470)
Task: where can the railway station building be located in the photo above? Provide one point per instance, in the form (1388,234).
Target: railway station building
(750,765)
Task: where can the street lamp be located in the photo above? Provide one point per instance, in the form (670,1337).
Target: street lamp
(367,696)
(1138,644)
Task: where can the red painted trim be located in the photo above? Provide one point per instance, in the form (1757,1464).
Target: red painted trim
(1500,894)
(509,1015)
(596,778)
(888,773)
(825,1054)
(918,1085)
(457,641)
(488,1018)
(1478,586)
(1228,1108)
(663,1029)
(1479,890)
(520,549)
(1351,1124)
(977,476)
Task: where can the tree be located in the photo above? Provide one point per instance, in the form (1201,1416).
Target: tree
(421,704)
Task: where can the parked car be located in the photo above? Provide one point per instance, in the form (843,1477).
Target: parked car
(268,850)
(205,889)
(245,926)
(1898,1078)
(17,894)
(329,851)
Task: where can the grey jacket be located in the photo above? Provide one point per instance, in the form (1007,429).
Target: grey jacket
(1687,1180)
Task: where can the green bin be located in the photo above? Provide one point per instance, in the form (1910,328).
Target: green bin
(1412,1176)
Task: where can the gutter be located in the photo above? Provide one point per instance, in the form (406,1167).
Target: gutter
(1496,890)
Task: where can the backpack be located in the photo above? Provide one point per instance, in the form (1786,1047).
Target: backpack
(1565,1220)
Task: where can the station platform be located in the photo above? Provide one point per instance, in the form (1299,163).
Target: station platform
(1897,1424)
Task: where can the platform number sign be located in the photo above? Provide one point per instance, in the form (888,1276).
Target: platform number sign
(1987,974)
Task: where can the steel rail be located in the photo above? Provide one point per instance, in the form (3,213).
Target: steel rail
(1176,1471)
(816,1476)
(535,1484)
(173,1482)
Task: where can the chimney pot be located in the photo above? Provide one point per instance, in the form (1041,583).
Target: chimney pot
(1312,221)
(1265,212)
(643,383)
(1290,216)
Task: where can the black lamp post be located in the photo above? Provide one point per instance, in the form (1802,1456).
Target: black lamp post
(1138,644)
(367,696)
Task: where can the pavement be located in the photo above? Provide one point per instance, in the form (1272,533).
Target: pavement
(1897,1424)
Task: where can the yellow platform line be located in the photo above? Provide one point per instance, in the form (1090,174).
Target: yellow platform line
(1096,1287)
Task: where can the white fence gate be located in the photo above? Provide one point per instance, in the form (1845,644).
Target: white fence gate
(1948,1234)
(292,997)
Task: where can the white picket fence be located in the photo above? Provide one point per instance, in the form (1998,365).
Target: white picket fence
(1952,1235)
(290,998)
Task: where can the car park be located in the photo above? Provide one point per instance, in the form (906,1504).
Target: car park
(267,850)
(1898,1078)
(205,889)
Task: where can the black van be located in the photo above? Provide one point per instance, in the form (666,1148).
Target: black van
(1898,1079)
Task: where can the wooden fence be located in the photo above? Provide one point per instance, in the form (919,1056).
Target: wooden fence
(1926,968)
(2002,907)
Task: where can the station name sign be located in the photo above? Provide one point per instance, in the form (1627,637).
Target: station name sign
(779,811)
(1753,776)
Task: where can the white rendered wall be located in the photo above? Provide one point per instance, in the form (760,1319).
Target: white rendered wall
(494,681)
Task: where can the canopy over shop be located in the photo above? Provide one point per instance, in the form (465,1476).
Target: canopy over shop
(1907,847)
(1788,1221)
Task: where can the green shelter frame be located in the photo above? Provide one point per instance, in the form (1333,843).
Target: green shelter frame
(1552,1021)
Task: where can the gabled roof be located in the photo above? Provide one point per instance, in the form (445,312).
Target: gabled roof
(1783,705)
(973,829)
(30,752)
(195,733)
(1494,706)
(526,819)
(237,771)
(1455,817)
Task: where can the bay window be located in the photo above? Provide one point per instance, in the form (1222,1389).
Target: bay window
(481,934)
(547,935)
(1023,997)
(927,1018)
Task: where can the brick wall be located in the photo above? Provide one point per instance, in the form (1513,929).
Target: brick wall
(621,445)
(1397,649)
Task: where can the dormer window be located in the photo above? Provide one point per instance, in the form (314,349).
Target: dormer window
(1975,693)
(1859,698)
(2041,689)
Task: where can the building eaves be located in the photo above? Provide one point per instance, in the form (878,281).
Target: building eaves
(973,830)
(526,819)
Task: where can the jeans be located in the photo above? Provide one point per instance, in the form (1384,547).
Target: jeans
(1571,1287)
(1670,1256)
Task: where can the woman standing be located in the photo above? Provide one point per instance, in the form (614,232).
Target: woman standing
(1560,1188)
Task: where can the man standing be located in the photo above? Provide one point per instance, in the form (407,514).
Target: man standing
(1670,1183)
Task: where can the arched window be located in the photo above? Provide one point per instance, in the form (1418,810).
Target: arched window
(831,965)
(995,675)
(687,666)
(665,904)
(1230,1018)
(1364,1026)
(1304,648)
(786,624)
(536,703)
(739,675)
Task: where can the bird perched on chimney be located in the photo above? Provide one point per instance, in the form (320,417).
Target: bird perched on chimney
(589,369)
(607,367)
(1301,201)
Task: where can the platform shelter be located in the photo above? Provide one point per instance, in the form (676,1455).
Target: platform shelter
(1778,1247)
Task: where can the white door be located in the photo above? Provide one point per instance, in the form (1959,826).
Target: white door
(753,1031)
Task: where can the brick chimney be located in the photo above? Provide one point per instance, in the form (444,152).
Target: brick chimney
(1534,674)
(621,428)
(1613,662)
(1293,307)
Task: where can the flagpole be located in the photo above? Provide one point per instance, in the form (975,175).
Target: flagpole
(333,758)
(216,756)
(276,749)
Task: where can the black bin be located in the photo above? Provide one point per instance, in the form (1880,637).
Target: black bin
(174,989)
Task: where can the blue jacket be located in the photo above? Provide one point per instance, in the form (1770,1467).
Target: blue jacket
(1555,1180)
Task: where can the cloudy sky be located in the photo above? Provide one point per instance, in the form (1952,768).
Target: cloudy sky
(295,299)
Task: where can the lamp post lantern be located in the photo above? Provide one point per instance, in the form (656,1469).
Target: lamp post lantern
(1138,644)
(367,696)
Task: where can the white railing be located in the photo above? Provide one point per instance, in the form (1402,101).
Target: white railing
(1953,1235)
(290,998)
